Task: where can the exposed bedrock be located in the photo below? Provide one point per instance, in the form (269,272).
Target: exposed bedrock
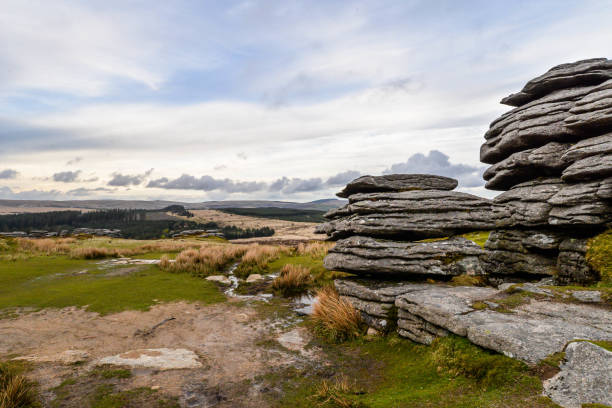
(369,256)
(533,332)
(580,73)
(593,112)
(522,166)
(397,182)
(527,203)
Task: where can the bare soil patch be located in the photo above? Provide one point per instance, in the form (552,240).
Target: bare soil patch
(235,344)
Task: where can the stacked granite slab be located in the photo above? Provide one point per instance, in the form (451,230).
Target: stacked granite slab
(552,155)
(378,230)
(403,227)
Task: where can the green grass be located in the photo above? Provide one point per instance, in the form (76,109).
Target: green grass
(50,282)
(599,256)
(479,237)
(320,275)
(389,372)
(104,397)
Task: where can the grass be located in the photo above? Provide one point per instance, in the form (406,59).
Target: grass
(334,318)
(468,280)
(390,372)
(16,391)
(286,214)
(207,260)
(479,237)
(51,282)
(599,256)
(105,397)
(293,279)
(257,258)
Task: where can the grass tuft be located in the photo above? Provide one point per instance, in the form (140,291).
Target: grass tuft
(16,391)
(293,279)
(335,318)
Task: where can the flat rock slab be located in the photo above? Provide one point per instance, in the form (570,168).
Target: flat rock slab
(397,182)
(160,359)
(585,377)
(295,340)
(220,279)
(376,290)
(584,72)
(364,255)
(533,332)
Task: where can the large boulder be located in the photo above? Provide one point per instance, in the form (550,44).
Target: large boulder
(369,256)
(519,167)
(413,215)
(572,265)
(533,332)
(593,112)
(527,204)
(580,73)
(531,126)
(585,377)
(397,182)
(522,252)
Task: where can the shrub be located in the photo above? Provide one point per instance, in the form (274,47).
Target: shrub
(335,318)
(457,356)
(16,391)
(293,279)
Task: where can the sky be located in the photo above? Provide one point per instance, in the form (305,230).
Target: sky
(285,100)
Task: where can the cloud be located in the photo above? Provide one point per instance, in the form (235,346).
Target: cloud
(242,156)
(207,183)
(66,176)
(82,192)
(438,163)
(8,174)
(220,167)
(7,193)
(124,180)
(74,161)
(343,178)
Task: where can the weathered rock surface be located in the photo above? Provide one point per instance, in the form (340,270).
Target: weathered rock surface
(589,147)
(397,182)
(364,255)
(413,215)
(527,203)
(572,266)
(585,377)
(593,112)
(580,73)
(589,168)
(161,359)
(67,357)
(535,331)
(523,252)
(519,167)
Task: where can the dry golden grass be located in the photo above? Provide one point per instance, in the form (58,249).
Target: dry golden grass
(45,245)
(257,257)
(316,249)
(16,391)
(335,318)
(204,261)
(292,279)
(334,393)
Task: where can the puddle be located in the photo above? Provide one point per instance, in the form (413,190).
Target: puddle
(303,305)
(110,263)
(235,282)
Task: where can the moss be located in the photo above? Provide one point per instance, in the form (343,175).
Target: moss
(595,406)
(554,360)
(478,237)
(599,255)
(605,344)
(467,280)
(479,305)
(109,373)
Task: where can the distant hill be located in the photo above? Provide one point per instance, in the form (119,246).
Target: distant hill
(320,205)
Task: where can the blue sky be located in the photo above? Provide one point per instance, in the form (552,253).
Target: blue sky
(199,100)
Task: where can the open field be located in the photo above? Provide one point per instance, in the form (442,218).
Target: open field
(66,314)
(285,231)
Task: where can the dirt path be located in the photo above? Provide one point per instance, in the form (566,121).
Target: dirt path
(233,342)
